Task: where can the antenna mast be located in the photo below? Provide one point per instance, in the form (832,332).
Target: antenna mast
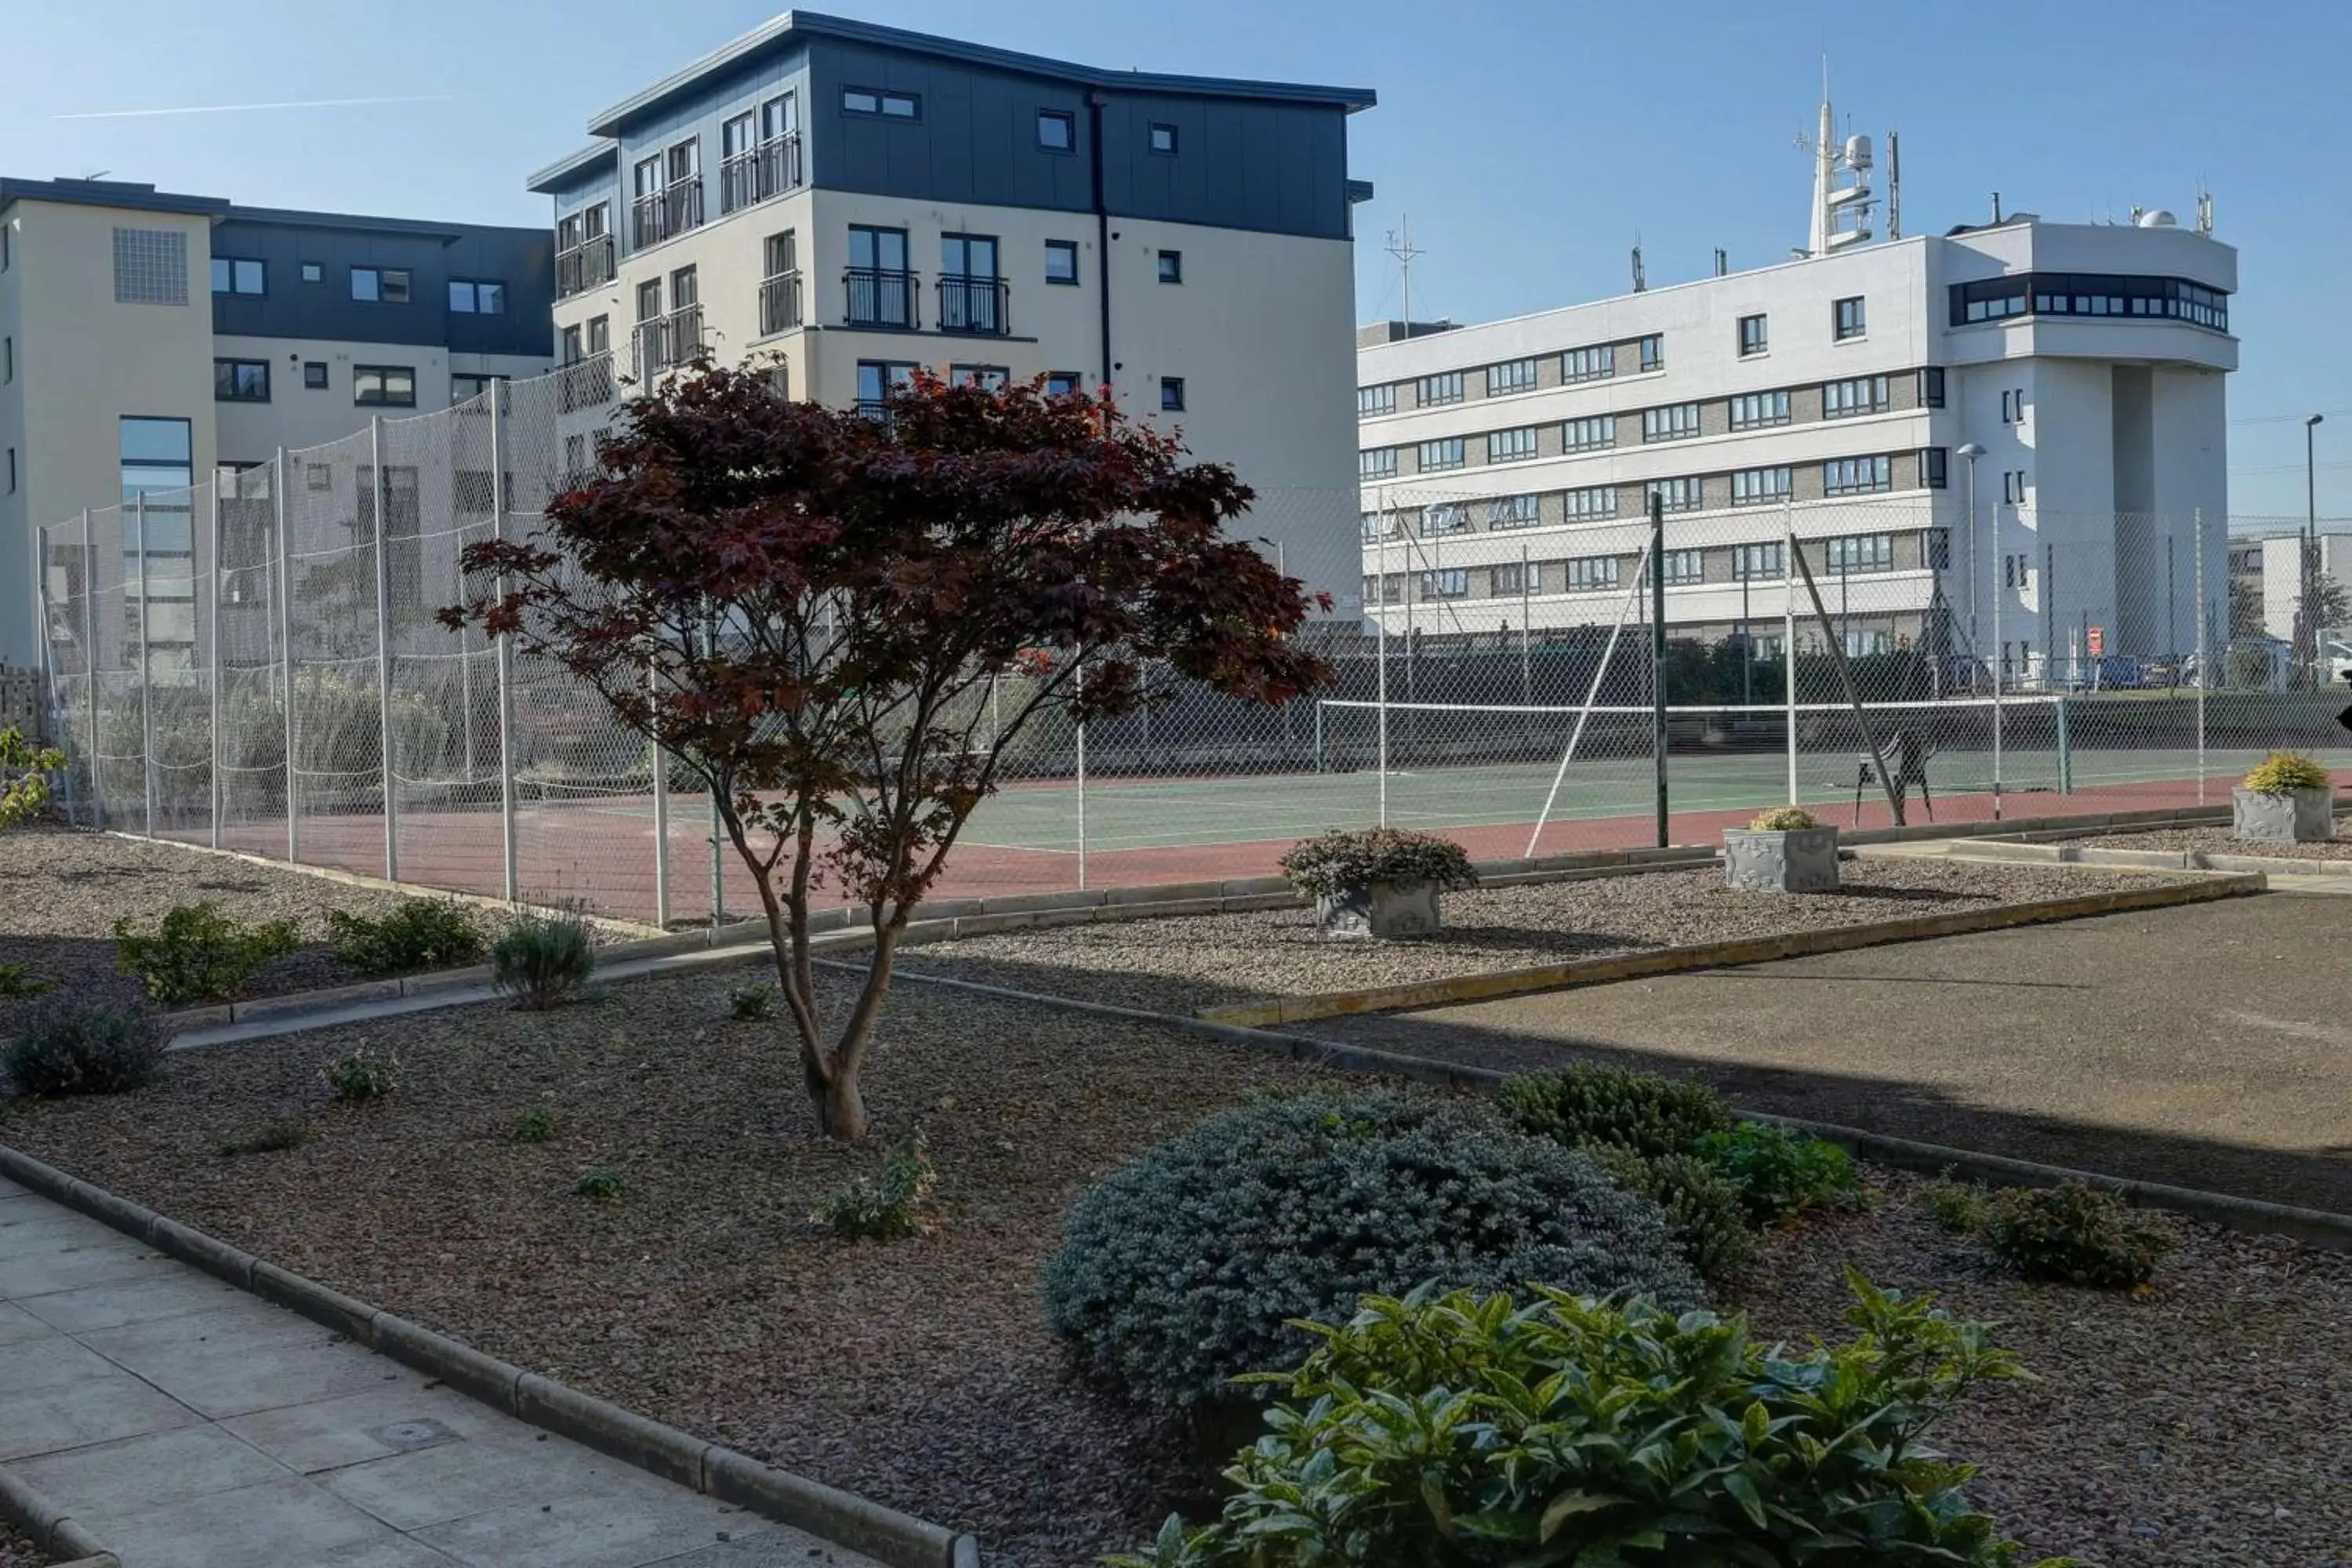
(1894,186)
(1641,277)
(1841,212)
(1400,246)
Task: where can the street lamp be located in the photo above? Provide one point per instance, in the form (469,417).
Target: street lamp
(2307,580)
(1971,452)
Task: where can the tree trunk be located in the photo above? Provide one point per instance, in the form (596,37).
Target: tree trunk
(839,1103)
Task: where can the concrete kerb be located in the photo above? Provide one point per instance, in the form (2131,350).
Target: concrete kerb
(898,1540)
(52,1529)
(2117,857)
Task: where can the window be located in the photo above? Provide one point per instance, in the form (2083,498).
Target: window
(1172,394)
(1502,582)
(384,385)
(1162,139)
(1432,391)
(1588,573)
(1857,475)
(384,285)
(1685,567)
(1062,261)
(1935,466)
(1589,364)
(1936,545)
(1654,353)
(1057,130)
(1676,495)
(1759,486)
(1589,434)
(7,360)
(888,105)
(1591,503)
(1511,446)
(649,300)
(1862,395)
(987,378)
(1859,553)
(877,380)
(2013,487)
(1846,320)
(2089,294)
(1931,387)
(1376,463)
(1450,583)
(1515,375)
(1754,335)
(881,289)
(471,298)
(157,455)
(1440,454)
(971,298)
(1514,511)
(1864,645)
(240,381)
(2015,571)
(314,374)
(151,266)
(1373,529)
(1755,563)
(1446,517)
(1755,410)
(236,275)
(2013,406)
(1376,399)
(1062,383)
(1172,267)
(12,470)
(465,385)
(600,335)
(1393,588)
(1674,422)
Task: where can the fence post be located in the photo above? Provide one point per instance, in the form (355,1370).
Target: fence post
(1658,655)
(2000,661)
(48,715)
(1082,776)
(2066,750)
(383,647)
(146,671)
(1788,635)
(89,658)
(286,656)
(212,620)
(2204,656)
(505,651)
(661,813)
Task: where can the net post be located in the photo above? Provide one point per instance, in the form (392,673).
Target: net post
(2000,661)
(212,620)
(661,808)
(2204,657)
(1658,656)
(286,661)
(1381,635)
(505,665)
(383,647)
(90,641)
(146,669)
(1081,674)
(1318,736)
(1788,635)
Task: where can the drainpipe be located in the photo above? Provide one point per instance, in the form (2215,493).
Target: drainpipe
(1102,222)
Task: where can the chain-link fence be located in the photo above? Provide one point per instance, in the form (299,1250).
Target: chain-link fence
(256,664)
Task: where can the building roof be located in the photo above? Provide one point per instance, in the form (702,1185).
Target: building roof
(147,198)
(546,181)
(796,26)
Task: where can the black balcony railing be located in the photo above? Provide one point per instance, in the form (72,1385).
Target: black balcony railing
(779,303)
(585,266)
(874,408)
(880,298)
(668,341)
(768,170)
(667,212)
(584,383)
(975,305)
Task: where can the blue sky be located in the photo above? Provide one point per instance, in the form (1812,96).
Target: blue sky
(1530,140)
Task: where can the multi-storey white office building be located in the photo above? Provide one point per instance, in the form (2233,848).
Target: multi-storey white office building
(856,201)
(147,337)
(1506,469)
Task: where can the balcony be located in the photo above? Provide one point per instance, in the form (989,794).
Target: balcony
(768,170)
(779,303)
(584,383)
(667,212)
(974,305)
(881,297)
(585,266)
(668,341)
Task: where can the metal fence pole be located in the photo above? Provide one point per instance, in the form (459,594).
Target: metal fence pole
(89,661)
(1658,656)
(49,716)
(2000,657)
(504,653)
(146,671)
(1788,635)
(1381,712)
(1081,673)
(285,657)
(661,813)
(383,647)
(2204,656)
(212,621)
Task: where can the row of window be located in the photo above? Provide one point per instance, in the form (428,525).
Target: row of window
(1057,130)
(1598,503)
(877,379)
(1848,321)
(373,285)
(1847,556)
(372,386)
(2089,294)
(1509,377)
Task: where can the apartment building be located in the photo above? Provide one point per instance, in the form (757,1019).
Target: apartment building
(1506,469)
(849,202)
(147,337)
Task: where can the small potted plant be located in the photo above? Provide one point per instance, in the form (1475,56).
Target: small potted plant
(1378,881)
(1783,851)
(2286,800)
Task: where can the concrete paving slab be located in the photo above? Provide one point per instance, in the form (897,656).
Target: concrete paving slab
(9,1189)
(286,1520)
(33,1365)
(16,1323)
(92,1410)
(400,1416)
(245,1357)
(140,1473)
(499,1471)
(40,1262)
(786,1549)
(619,1531)
(169,1294)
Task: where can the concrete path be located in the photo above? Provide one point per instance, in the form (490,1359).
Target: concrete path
(184,1422)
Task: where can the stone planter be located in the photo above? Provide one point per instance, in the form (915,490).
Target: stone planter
(1384,910)
(1803,860)
(2298,817)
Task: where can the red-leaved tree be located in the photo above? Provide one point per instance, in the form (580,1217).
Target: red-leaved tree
(805,605)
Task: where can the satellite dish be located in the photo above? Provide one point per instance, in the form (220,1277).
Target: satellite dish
(1857,152)
(2156,218)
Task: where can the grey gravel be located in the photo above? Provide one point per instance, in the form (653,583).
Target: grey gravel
(16,1549)
(2221,841)
(1183,963)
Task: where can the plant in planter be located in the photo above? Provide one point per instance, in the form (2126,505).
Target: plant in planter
(1783,851)
(2286,800)
(1378,881)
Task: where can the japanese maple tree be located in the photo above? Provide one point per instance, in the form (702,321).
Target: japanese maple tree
(805,605)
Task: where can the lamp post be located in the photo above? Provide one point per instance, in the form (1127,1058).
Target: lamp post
(2307,580)
(1972,451)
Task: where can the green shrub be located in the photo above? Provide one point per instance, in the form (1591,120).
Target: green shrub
(543,961)
(1454,1430)
(1587,1103)
(604,1185)
(24,777)
(1784,819)
(1707,1208)
(1954,1207)
(291,1131)
(423,933)
(18,984)
(1330,864)
(73,1047)
(536,1125)
(1781,1172)
(751,1002)
(358,1077)
(887,1207)
(2076,1234)
(2284,771)
(1188,1267)
(197,953)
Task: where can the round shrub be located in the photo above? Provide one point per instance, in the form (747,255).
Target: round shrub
(1781,1172)
(544,961)
(1784,819)
(83,1047)
(2076,1234)
(1707,1208)
(1332,863)
(2281,772)
(1585,1102)
(1182,1270)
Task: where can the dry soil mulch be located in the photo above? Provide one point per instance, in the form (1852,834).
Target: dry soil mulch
(1186,963)
(2222,841)
(2200,1424)
(18,1551)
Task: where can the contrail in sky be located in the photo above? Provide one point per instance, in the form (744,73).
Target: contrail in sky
(248,108)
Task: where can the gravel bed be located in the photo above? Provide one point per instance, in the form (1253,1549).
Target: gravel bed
(2221,841)
(16,1549)
(1185,964)
(67,888)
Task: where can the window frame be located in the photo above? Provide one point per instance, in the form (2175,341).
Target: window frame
(1369,467)
(1068,248)
(1589,503)
(232,269)
(383,276)
(1849,319)
(1857,554)
(1774,405)
(1577,365)
(1651,352)
(1172,394)
(880,107)
(232,366)
(1685,567)
(323,382)
(1672,422)
(1503,513)
(1067,123)
(1877,479)
(474,296)
(1935,467)
(1755,335)
(1523,377)
(1747,559)
(1590,574)
(1422,384)
(1680,492)
(1371,401)
(1441,582)
(1076,381)
(1151,138)
(1439,519)
(1461,456)
(1765,485)
(383,374)
(1171,264)
(1931,386)
(1606,424)
(1515,437)
(1880,397)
